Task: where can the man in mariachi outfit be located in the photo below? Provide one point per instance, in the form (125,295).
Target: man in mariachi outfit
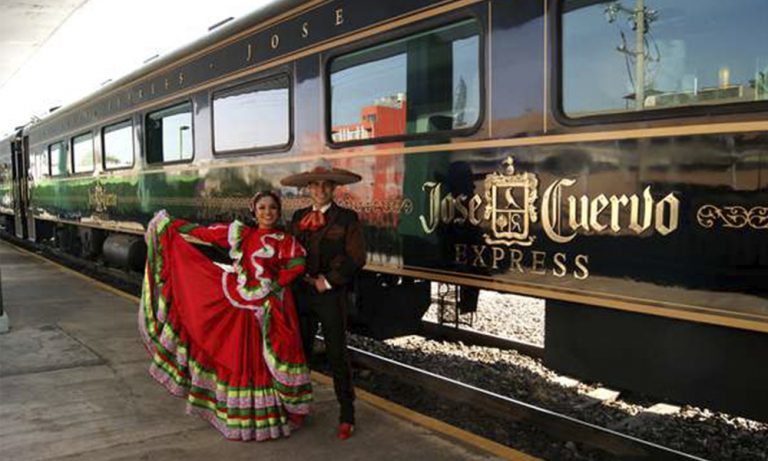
(333,238)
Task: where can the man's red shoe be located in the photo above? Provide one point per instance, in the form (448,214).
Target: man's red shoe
(345,431)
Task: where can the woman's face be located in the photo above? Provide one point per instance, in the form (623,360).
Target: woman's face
(266,212)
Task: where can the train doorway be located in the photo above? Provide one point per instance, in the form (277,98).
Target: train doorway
(19,149)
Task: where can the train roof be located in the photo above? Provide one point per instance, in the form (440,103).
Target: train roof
(275,8)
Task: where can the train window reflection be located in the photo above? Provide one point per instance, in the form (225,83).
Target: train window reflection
(254,116)
(118,145)
(39,164)
(57,153)
(82,153)
(428,82)
(169,134)
(6,176)
(630,55)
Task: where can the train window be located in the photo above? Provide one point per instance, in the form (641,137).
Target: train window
(6,178)
(254,116)
(57,153)
(169,134)
(638,55)
(39,161)
(82,153)
(425,83)
(118,145)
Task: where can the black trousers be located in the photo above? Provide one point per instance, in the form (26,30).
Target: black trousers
(329,310)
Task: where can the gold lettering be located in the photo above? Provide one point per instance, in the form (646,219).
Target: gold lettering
(673,205)
(585,214)
(474,205)
(634,224)
(538,265)
(599,204)
(615,213)
(433,191)
(550,215)
(559,271)
(447,211)
(517,259)
(498,255)
(181,78)
(249,55)
(461,253)
(461,208)
(578,219)
(167,84)
(305,30)
(340,16)
(582,271)
(275,41)
(479,250)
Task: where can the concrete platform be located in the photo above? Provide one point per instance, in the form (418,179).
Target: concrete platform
(74,386)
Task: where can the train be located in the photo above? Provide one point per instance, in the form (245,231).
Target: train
(610,157)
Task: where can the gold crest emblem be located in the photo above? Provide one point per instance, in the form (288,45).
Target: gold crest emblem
(510,208)
(99,199)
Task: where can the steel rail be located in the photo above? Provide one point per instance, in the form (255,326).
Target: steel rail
(555,424)
(434,330)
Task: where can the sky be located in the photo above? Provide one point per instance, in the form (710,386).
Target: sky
(106,39)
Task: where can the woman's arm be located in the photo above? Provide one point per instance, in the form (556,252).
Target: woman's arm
(216,234)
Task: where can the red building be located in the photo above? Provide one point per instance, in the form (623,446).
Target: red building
(385,117)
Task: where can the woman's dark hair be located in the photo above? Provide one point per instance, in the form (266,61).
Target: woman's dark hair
(266,193)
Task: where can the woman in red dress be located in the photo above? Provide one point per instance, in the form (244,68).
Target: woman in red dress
(227,339)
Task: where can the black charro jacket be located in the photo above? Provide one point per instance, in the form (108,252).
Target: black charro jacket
(337,250)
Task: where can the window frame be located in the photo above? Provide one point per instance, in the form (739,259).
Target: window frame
(50,159)
(145,133)
(102,132)
(480,19)
(73,171)
(276,148)
(667,113)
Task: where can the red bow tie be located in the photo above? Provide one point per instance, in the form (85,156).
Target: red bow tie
(312,221)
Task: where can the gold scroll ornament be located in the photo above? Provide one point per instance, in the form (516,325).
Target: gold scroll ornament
(733,217)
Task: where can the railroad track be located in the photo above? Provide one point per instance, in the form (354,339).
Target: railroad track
(616,444)
(559,426)
(434,330)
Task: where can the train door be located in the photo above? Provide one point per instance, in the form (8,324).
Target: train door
(19,149)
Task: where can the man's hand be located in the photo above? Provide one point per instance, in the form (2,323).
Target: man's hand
(321,285)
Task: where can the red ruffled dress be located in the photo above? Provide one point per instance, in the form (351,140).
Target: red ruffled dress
(226,339)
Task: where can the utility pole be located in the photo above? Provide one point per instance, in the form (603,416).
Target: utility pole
(640,18)
(640,54)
